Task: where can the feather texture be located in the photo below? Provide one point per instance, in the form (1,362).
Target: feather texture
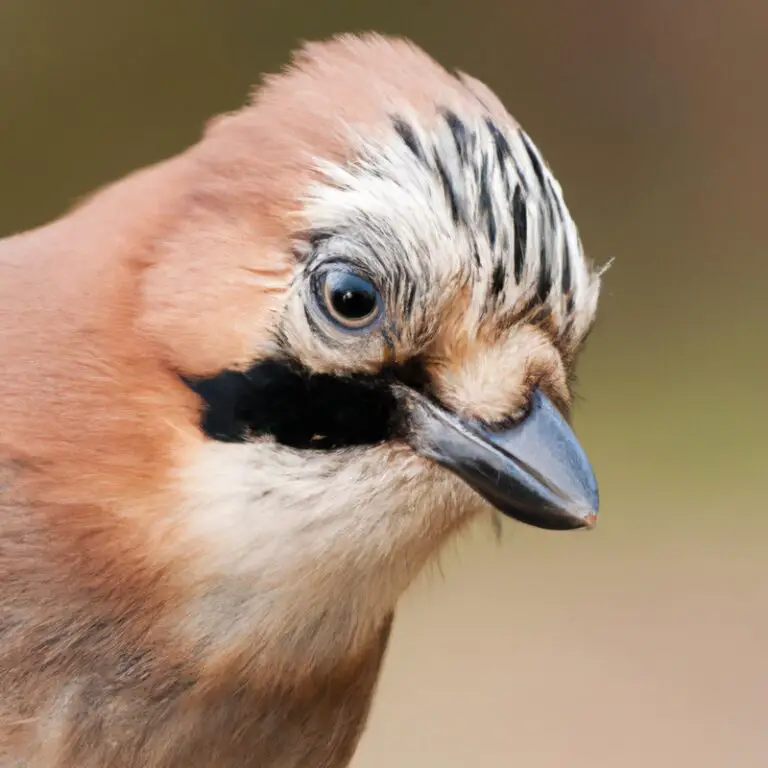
(168,599)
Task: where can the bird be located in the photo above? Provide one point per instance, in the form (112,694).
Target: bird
(247,393)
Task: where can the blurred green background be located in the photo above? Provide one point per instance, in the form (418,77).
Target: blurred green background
(644,642)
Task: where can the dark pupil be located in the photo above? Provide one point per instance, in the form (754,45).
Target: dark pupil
(352,297)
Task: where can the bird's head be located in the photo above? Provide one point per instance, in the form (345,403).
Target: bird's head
(371,295)
(418,294)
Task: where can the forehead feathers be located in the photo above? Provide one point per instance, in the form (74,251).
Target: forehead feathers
(465,207)
(366,147)
(437,184)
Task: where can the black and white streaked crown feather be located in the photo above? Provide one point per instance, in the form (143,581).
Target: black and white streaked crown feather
(468,194)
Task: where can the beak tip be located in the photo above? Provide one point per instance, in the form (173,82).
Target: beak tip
(587,510)
(593,505)
(577,513)
(576,518)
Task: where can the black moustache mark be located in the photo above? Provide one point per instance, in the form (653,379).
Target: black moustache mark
(281,399)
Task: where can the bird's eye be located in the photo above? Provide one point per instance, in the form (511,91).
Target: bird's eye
(350,300)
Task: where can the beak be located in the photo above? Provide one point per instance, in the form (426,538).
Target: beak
(535,472)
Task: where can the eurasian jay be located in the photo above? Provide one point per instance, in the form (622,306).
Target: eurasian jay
(247,393)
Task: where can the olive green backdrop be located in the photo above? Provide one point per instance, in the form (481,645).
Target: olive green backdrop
(644,642)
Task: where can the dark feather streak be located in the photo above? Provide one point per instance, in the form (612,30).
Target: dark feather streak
(450,192)
(556,198)
(566,278)
(409,137)
(409,297)
(503,151)
(460,133)
(498,278)
(486,205)
(538,169)
(544,282)
(521,232)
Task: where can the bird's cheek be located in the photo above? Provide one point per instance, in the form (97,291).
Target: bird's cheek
(211,300)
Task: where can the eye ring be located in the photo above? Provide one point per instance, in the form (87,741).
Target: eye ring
(349,300)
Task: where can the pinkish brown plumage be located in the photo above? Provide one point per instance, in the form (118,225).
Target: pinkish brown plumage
(233,386)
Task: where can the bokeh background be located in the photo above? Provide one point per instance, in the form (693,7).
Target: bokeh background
(644,642)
